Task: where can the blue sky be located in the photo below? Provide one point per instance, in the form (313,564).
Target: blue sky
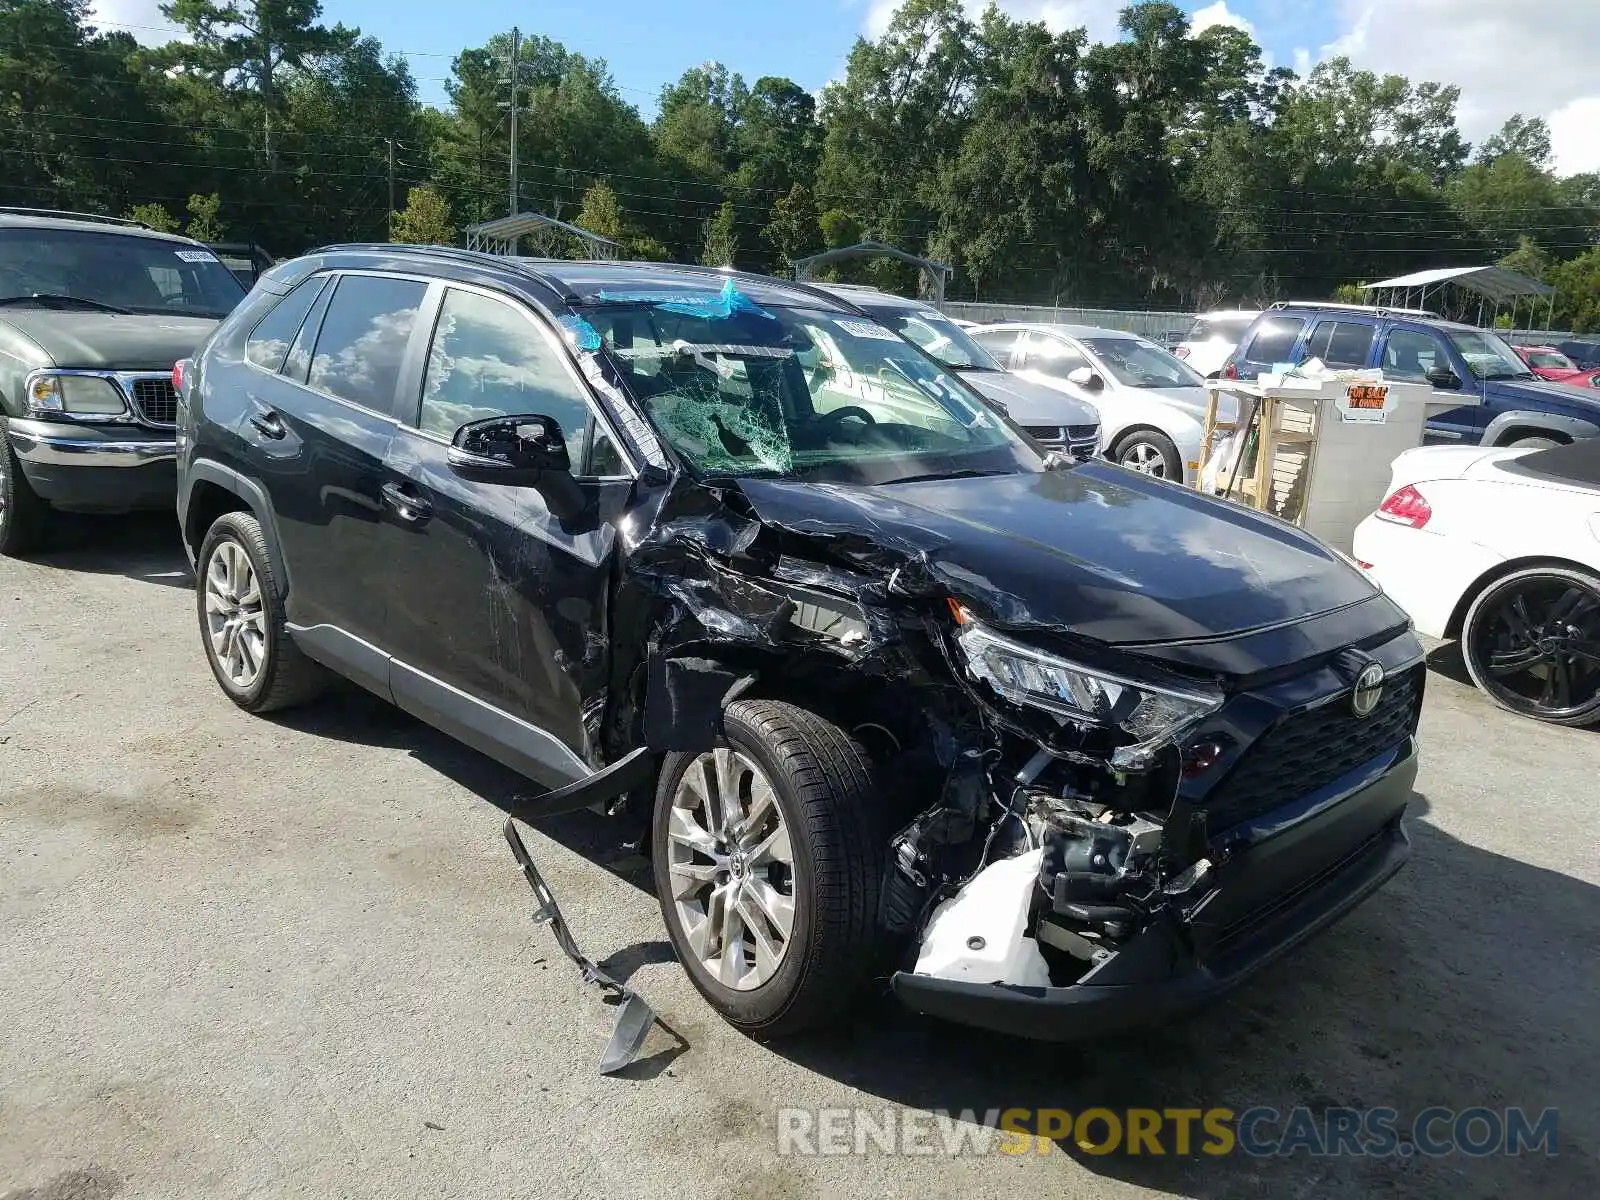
(1483,46)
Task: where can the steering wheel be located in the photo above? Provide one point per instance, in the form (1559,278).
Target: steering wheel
(849,410)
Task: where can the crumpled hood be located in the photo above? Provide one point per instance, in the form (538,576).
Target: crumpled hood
(1029,403)
(90,341)
(1093,551)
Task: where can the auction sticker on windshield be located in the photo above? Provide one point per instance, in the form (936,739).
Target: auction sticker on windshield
(868,329)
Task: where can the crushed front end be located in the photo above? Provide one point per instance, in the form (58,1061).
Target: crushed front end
(1140,854)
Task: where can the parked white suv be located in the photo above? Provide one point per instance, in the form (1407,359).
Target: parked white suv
(1213,337)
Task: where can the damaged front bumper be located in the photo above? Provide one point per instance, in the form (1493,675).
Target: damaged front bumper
(1280,879)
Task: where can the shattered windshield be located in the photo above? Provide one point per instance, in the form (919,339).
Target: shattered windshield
(739,389)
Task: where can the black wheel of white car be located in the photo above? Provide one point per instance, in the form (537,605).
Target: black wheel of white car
(1531,641)
(767,865)
(242,622)
(1149,452)
(22,514)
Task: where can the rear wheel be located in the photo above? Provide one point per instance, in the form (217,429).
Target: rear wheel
(22,513)
(1150,453)
(767,867)
(1535,443)
(242,621)
(1531,641)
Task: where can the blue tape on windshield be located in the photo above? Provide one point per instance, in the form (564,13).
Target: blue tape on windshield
(692,304)
(580,333)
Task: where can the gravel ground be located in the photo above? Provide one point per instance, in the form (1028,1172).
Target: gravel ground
(292,957)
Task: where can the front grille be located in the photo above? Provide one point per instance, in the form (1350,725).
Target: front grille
(1311,750)
(1081,433)
(1050,435)
(156,401)
(1079,440)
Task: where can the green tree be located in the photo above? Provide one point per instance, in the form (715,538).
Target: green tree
(425,220)
(600,212)
(154,215)
(246,45)
(720,242)
(1526,137)
(1577,284)
(204,224)
(794,230)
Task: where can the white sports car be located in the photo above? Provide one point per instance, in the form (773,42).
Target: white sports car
(1151,404)
(1501,549)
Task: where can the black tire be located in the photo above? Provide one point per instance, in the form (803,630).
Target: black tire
(1535,443)
(1531,642)
(23,515)
(822,782)
(285,677)
(1133,450)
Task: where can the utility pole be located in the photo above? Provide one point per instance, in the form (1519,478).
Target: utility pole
(516,103)
(390,142)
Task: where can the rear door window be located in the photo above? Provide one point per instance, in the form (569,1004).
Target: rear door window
(1274,341)
(268,345)
(1340,343)
(362,342)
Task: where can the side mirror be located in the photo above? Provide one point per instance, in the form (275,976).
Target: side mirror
(1445,379)
(525,451)
(1085,377)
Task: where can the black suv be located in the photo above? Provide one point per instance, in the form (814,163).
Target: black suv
(884,686)
(94,311)
(1494,399)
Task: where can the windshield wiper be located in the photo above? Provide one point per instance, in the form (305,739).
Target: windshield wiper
(1510,375)
(57,298)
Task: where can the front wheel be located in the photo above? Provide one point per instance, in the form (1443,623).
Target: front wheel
(22,513)
(1531,641)
(1150,453)
(768,861)
(1535,443)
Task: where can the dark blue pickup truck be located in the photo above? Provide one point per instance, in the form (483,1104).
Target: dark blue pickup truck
(1503,403)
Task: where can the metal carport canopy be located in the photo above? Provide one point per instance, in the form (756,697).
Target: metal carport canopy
(1497,283)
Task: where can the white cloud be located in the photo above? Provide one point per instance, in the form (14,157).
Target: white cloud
(141,18)
(1218,14)
(1495,53)
(1575,136)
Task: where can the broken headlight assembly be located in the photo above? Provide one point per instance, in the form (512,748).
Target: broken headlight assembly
(1147,715)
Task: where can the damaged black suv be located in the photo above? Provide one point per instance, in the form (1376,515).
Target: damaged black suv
(889,690)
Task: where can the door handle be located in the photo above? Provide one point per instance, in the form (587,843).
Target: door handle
(268,423)
(407,504)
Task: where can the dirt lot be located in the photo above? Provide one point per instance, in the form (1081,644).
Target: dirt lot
(292,957)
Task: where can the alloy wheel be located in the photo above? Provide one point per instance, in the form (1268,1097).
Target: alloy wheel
(5,482)
(731,866)
(1537,646)
(1145,458)
(235,620)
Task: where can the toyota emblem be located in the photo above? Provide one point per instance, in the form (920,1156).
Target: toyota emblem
(1368,690)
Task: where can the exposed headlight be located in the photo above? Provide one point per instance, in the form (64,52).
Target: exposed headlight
(84,395)
(1147,714)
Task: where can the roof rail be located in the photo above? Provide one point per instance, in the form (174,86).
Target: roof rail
(1336,306)
(66,215)
(476,257)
